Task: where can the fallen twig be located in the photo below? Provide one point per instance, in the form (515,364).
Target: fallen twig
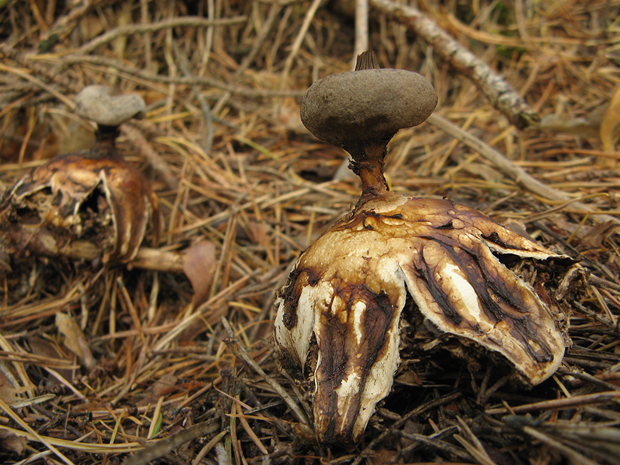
(250,362)
(512,171)
(494,87)
(181,21)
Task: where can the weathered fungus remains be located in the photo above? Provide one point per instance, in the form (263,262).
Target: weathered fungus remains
(348,289)
(106,201)
(94,195)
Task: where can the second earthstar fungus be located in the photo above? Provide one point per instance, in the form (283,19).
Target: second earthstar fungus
(93,195)
(340,312)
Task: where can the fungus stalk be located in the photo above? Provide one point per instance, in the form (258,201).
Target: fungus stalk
(368,156)
(368,163)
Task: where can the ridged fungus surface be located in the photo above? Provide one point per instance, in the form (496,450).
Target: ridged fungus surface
(349,289)
(104,200)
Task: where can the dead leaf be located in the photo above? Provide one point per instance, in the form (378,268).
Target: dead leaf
(163,384)
(595,237)
(199,267)
(8,393)
(10,442)
(610,131)
(260,234)
(75,340)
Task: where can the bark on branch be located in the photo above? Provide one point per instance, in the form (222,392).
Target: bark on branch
(494,87)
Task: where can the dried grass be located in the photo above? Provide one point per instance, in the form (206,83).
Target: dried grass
(226,153)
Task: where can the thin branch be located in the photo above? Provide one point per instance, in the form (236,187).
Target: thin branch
(130,29)
(510,170)
(201,81)
(494,87)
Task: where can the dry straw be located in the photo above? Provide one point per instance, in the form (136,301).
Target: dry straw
(523,89)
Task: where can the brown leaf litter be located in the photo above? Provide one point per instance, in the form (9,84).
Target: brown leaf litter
(112,362)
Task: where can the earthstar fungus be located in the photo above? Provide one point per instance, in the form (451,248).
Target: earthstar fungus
(94,195)
(344,299)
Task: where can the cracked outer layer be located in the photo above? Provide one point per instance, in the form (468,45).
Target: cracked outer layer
(78,196)
(349,288)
